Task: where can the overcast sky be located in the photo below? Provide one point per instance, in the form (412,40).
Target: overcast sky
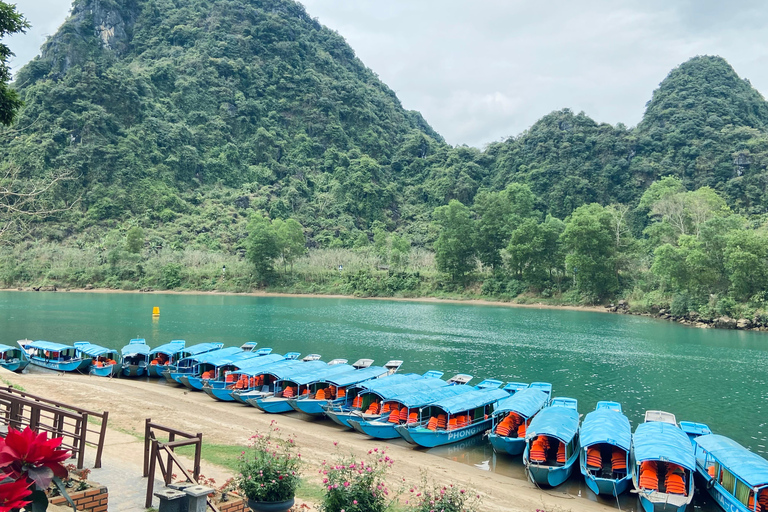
(480,71)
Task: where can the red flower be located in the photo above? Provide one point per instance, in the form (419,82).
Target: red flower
(12,494)
(33,455)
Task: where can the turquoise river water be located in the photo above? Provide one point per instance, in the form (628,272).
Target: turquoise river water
(712,376)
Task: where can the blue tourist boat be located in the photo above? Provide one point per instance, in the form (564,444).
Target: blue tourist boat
(544,386)
(187,363)
(734,476)
(662,463)
(512,417)
(292,383)
(454,419)
(514,387)
(105,362)
(694,430)
(371,400)
(54,356)
(209,368)
(606,439)
(261,379)
(164,356)
(231,377)
(329,389)
(552,443)
(135,358)
(410,407)
(14,359)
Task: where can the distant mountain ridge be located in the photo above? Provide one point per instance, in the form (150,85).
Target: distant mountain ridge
(180,110)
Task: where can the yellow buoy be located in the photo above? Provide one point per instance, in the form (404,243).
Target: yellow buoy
(155,311)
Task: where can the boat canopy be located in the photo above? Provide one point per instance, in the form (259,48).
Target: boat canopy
(47,345)
(133,349)
(169,348)
(471,400)
(406,388)
(349,378)
(5,348)
(525,402)
(92,350)
(202,348)
(748,466)
(388,382)
(558,422)
(657,440)
(320,374)
(211,357)
(606,425)
(280,372)
(257,361)
(423,398)
(254,370)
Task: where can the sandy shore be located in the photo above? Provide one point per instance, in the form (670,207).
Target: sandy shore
(129,402)
(433,300)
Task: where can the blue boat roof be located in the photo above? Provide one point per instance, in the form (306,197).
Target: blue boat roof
(606,425)
(321,374)
(748,466)
(466,401)
(214,355)
(525,402)
(133,349)
(406,388)
(258,369)
(92,350)
(202,348)
(657,440)
(47,345)
(554,421)
(349,378)
(422,398)
(389,381)
(256,362)
(3,348)
(283,372)
(170,348)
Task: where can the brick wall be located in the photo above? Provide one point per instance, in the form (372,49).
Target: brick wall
(234,504)
(91,500)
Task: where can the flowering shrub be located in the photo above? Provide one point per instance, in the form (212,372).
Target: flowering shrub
(441,498)
(29,462)
(357,485)
(270,468)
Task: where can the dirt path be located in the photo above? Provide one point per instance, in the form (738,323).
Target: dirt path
(129,402)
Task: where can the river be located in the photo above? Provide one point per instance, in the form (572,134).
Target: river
(712,376)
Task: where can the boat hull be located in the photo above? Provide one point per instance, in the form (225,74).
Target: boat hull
(376,429)
(608,487)
(549,475)
(342,418)
(309,406)
(658,506)
(429,438)
(508,445)
(66,366)
(105,371)
(726,501)
(271,405)
(222,394)
(134,370)
(16,366)
(156,370)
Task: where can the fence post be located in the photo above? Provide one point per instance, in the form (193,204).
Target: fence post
(146,446)
(83,435)
(198,450)
(102,435)
(169,464)
(151,474)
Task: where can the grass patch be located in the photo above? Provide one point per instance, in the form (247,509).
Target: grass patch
(14,386)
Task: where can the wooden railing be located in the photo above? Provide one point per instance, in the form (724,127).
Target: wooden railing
(19,409)
(153,456)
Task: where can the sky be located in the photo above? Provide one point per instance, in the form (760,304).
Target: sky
(481,71)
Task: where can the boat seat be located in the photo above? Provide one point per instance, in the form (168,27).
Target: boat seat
(453,423)
(561,453)
(320,395)
(412,417)
(341,393)
(394,416)
(762,499)
(385,408)
(649,476)
(357,403)
(594,458)
(373,408)
(521,430)
(432,424)
(619,460)
(675,483)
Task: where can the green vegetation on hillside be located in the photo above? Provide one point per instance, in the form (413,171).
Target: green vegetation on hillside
(223,144)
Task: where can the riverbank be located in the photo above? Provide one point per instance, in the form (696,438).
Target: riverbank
(129,402)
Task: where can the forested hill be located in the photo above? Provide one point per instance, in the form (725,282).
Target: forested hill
(184,116)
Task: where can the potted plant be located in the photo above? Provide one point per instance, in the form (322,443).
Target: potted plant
(446,498)
(357,485)
(269,472)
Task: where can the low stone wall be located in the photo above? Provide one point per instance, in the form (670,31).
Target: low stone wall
(91,500)
(233,505)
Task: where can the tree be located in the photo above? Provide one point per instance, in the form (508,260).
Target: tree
(262,246)
(400,247)
(493,227)
(290,240)
(134,240)
(454,250)
(11,22)
(589,241)
(746,260)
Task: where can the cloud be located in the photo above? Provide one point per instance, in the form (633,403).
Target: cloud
(482,71)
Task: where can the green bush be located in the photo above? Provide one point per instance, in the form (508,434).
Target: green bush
(171,276)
